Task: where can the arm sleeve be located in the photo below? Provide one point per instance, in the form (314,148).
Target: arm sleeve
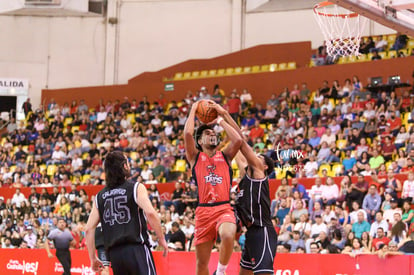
(51,235)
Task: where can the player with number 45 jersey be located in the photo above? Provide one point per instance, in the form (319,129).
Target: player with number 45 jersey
(120,207)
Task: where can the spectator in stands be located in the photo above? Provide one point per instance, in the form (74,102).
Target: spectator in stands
(375,55)
(256,131)
(311,167)
(327,214)
(356,249)
(272,101)
(82,107)
(299,210)
(380,239)
(356,192)
(6,243)
(366,241)
(371,203)
(408,187)
(389,214)
(349,161)
(177,237)
(391,184)
(318,227)
(398,230)
(317,210)
(400,42)
(341,215)
(391,249)
(367,45)
(29,237)
(296,186)
(355,211)
(303,226)
(187,228)
(407,213)
(18,198)
(316,193)
(378,223)
(407,245)
(282,210)
(380,45)
(176,199)
(361,225)
(2,205)
(331,192)
(295,242)
(27,107)
(234,106)
(314,248)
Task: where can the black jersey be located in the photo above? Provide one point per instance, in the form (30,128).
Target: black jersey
(122,221)
(99,237)
(253,202)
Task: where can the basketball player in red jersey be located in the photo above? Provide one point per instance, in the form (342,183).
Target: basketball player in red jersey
(213,175)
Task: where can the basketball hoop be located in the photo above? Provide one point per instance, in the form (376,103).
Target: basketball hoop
(341,29)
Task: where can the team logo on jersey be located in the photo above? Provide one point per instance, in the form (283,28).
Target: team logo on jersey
(212,178)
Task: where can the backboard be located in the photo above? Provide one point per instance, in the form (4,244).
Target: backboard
(395,14)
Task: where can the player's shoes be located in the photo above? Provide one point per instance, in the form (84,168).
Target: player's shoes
(215,272)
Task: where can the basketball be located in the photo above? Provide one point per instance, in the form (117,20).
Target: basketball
(204,113)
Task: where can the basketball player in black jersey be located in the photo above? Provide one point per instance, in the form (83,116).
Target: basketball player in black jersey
(120,207)
(253,207)
(100,249)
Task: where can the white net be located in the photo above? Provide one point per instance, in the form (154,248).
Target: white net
(341,29)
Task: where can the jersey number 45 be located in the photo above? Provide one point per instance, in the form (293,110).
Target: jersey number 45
(116,210)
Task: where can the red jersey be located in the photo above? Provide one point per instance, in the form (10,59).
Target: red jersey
(213,177)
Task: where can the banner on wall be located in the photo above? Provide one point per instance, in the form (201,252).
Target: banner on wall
(166,189)
(29,261)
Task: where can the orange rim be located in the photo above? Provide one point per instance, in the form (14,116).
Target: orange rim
(325,4)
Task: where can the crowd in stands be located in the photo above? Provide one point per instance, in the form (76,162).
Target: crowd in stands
(337,130)
(372,46)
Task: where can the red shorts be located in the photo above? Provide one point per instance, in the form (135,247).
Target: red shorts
(208,220)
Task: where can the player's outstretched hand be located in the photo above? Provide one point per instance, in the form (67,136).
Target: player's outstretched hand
(220,110)
(194,105)
(50,255)
(164,245)
(97,265)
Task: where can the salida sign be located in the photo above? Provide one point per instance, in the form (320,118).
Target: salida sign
(7,83)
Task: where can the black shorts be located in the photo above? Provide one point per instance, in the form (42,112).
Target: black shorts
(259,250)
(103,256)
(132,259)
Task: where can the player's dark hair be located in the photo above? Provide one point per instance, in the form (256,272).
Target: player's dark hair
(270,164)
(199,133)
(115,171)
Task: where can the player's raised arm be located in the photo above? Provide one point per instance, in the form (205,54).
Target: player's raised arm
(235,139)
(189,143)
(241,163)
(248,154)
